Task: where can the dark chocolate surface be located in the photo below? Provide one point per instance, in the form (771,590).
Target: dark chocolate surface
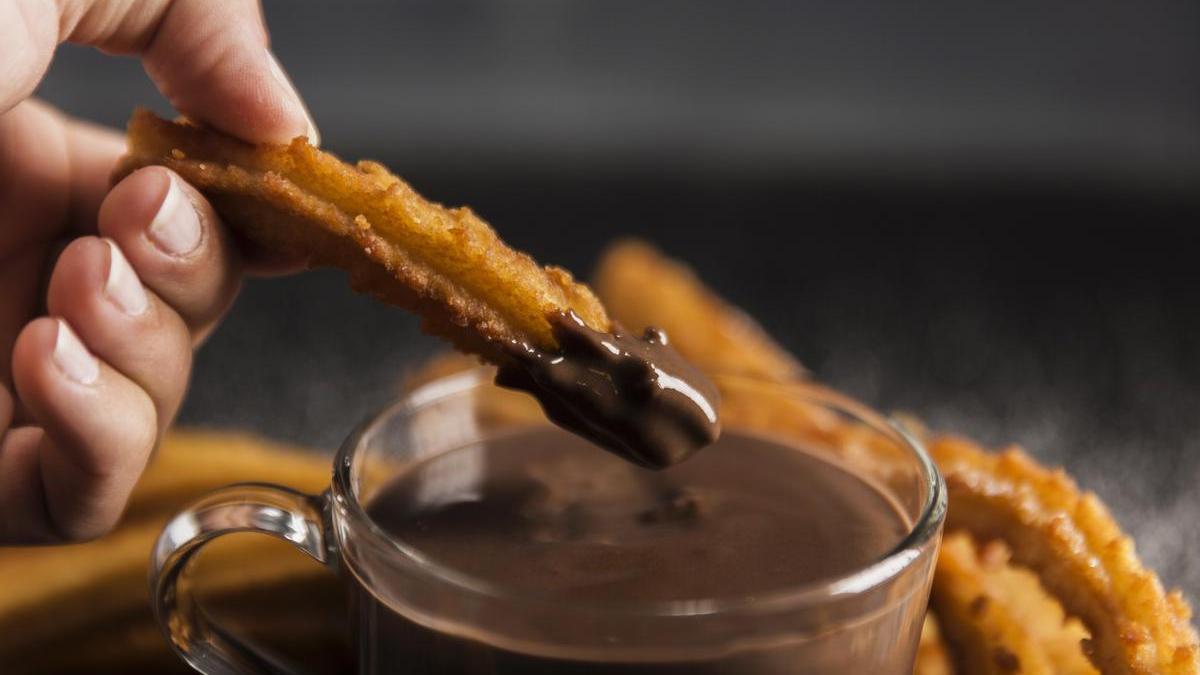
(542,512)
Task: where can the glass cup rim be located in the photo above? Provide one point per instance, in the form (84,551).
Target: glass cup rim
(857,581)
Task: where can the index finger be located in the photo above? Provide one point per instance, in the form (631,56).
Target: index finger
(210,58)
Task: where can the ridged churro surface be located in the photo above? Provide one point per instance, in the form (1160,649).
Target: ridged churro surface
(445,264)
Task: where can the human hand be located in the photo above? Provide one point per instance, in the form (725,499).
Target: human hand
(148,269)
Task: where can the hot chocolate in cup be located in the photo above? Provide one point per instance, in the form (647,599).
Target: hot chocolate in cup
(475,537)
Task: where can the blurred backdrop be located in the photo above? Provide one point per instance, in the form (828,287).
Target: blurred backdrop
(984,213)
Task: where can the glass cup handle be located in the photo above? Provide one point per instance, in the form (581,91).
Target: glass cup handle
(248,507)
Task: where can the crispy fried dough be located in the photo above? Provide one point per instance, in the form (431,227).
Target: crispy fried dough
(645,288)
(549,335)
(1078,552)
(1043,617)
(445,264)
(1066,538)
(991,617)
(989,639)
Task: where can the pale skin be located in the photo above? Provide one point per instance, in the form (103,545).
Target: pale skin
(96,338)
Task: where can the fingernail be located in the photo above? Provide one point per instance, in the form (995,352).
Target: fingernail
(176,227)
(72,358)
(122,285)
(314,138)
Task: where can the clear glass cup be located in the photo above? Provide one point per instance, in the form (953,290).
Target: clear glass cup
(412,615)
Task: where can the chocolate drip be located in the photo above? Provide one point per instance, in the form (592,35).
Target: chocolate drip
(636,397)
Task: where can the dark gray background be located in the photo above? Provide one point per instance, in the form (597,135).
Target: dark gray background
(980,212)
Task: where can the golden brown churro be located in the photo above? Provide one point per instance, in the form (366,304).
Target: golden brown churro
(1059,635)
(1078,551)
(989,637)
(549,335)
(445,264)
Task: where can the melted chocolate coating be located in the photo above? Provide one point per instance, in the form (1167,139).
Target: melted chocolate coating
(636,397)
